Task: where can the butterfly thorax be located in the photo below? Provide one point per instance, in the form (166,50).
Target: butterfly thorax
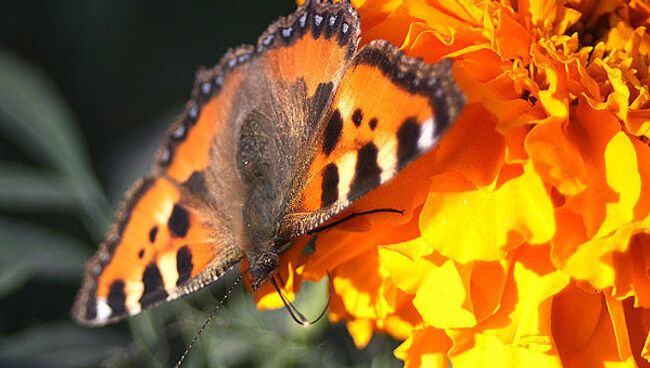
(265,163)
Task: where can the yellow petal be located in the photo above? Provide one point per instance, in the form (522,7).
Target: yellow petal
(594,260)
(442,297)
(361,330)
(405,263)
(482,224)
(556,158)
(519,334)
(622,176)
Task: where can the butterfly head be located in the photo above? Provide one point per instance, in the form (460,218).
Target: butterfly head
(263,267)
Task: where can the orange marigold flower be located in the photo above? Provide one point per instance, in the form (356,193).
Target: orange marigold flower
(526,234)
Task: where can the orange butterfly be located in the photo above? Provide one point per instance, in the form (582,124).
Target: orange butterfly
(277,139)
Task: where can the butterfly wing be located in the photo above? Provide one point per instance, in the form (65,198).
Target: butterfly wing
(181,228)
(177,229)
(388,110)
(160,247)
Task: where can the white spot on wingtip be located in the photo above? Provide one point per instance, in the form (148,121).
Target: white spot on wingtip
(103,310)
(426,139)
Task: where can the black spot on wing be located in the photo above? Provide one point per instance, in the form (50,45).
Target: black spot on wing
(154,289)
(333,132)
(367,173)
(317,25)
(141,253)
(330,185)
(184,265)
(332,26)
(152,234)
(373,123)
(117,298)
(407,141)
(179,221)
(344,34)
(357,117)
(196,185)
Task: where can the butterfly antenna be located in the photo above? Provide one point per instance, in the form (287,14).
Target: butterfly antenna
(353,215)
(294,312)
(207,321)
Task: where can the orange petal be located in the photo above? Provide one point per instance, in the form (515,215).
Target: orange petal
(426,347)
(556,158)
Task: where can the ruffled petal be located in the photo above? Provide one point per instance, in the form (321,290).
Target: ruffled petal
(483,224)
(525,234)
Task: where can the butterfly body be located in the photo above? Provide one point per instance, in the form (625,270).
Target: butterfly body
(278,139)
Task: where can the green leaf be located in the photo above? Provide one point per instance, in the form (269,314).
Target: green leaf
(39,252)
(13,277)
(35,115)
(23,188)
(62,345)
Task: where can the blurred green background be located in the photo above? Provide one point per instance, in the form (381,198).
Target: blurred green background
(86,90)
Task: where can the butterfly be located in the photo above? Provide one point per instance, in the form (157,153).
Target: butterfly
(277,139)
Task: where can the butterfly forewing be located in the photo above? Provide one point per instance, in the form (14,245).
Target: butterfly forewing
(159,249)
(388,110)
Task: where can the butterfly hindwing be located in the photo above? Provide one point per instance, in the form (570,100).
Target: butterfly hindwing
(388,110)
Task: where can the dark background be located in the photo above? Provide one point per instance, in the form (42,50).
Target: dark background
(121,64)
(86,90)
